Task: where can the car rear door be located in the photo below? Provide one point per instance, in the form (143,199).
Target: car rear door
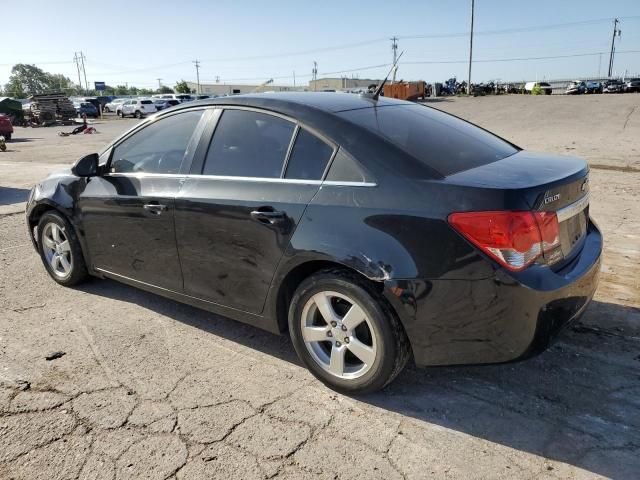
(238,208)
(128,212)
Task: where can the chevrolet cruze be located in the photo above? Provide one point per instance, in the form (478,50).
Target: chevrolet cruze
(371,230)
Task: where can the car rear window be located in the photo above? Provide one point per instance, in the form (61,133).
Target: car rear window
(443,142)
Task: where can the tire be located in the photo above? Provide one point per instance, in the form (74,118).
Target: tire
(106,109)
(379,338)
(76,272)
(7,137)
(138,114)
(119,113)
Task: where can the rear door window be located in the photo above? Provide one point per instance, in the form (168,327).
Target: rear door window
(248,144)
(443,142)
(309,157)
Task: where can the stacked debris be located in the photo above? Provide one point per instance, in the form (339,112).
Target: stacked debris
(46,108)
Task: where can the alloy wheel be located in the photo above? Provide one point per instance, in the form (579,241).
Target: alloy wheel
(57,250)
(339,335)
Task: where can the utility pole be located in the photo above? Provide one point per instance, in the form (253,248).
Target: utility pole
(77,62)
(616,31)
(470,48)
(159,83)
(294,79)
(197,64)
(394,49)
(84,72)
(314,74)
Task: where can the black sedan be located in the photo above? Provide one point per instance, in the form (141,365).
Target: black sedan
(371,230)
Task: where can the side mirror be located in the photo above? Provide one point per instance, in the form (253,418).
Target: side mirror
(87,166)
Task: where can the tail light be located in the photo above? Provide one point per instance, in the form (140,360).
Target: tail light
(513,239)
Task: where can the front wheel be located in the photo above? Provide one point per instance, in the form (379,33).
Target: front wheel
(60,250)
(345,333)
(138,114)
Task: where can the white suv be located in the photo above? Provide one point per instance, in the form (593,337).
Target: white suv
(113,104)
(136,107)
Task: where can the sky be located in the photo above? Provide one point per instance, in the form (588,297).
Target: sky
(246,41)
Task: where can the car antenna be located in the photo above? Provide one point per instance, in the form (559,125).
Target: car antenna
(378,91)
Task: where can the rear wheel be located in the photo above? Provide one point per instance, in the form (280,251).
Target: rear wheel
(60,250)
(7,137)
(345,333)
(138,114)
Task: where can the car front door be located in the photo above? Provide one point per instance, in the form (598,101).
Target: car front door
(239,207)
(128,212)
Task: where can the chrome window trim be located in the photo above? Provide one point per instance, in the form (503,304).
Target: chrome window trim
(573,209)
(244,179)
(292,142)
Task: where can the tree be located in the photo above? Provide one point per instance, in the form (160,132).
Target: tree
(164,89)
(182,87)
(26,80)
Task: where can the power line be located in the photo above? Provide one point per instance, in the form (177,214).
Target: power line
(517,29)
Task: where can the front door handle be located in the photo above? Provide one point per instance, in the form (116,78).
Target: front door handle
(155,208)
(268,216)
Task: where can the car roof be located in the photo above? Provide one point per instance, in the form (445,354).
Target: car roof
(326,101)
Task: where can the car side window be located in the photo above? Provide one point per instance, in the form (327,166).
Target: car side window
(309,157)
(248,144)
(158,148)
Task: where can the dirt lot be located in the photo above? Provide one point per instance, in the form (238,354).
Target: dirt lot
(151,388)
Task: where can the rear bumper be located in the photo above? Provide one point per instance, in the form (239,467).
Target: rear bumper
(498,319)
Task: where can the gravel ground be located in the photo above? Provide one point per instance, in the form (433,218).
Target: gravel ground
(149,388)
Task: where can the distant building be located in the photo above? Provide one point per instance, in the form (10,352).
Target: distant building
(343,83)
(236,89)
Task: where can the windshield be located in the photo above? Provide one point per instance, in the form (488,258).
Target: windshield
(441,141)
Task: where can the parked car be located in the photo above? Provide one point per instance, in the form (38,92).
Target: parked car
(577,87)
(612,86)
(544,86)
(136,107)
(182,97)
(368,234)
(163,104)
(113,104)
(593,87)
(632,85)
(6,128)
(202,97)
(86,108)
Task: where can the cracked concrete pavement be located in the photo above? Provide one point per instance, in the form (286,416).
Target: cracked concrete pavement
(149,388)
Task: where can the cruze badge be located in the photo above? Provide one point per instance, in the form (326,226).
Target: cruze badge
(548,198)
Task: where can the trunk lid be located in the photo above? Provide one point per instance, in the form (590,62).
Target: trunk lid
(545,183)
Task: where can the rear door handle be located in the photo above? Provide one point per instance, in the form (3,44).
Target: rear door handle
(155,208)
(268,216)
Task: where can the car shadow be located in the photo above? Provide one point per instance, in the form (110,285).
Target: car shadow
(576,403)
(10,195)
